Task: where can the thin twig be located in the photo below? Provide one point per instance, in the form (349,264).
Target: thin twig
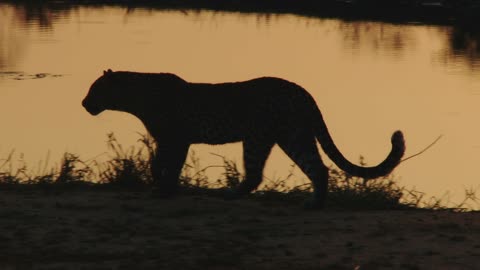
(204,169)
(425,149)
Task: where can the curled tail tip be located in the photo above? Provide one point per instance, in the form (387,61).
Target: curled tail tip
(397,137)
(398,142)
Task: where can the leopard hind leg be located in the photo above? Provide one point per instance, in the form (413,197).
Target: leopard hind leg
(302,149)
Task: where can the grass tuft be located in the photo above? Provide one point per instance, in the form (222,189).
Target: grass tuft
(127,167)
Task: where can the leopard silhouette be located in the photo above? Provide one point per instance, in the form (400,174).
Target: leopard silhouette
(259,113)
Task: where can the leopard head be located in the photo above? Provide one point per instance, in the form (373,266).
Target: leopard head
(102,94)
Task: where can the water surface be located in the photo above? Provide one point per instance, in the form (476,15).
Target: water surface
(368,78)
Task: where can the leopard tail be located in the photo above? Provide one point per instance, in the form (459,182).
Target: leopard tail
(382,169)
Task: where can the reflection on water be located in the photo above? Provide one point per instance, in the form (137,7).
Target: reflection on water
(368,78)
(35,13)
(11,42)
(381,38)
(465,45)
(461,45)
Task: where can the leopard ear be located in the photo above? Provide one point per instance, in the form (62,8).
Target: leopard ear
(105,72)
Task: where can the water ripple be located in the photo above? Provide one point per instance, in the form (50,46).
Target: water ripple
(16,75)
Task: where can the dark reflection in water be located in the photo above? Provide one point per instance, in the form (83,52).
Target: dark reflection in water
(26,15)
(39,14)
(36,13)
(11,43)
(16,17)
(393,39)
(465,44)
(461,45)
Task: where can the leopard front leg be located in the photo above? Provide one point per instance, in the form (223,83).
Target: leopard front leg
(166,167)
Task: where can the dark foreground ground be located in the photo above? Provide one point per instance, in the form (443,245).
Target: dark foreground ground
(95,229)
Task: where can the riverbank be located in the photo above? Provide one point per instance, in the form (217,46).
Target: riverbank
(89,215)
(61,221)
(90,228)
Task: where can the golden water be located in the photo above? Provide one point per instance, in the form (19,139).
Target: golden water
(368,78)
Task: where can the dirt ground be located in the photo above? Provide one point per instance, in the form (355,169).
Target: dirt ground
(133,230)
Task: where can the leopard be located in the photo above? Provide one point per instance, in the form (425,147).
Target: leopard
(260,113)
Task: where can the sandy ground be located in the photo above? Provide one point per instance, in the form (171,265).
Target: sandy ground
(132,230)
